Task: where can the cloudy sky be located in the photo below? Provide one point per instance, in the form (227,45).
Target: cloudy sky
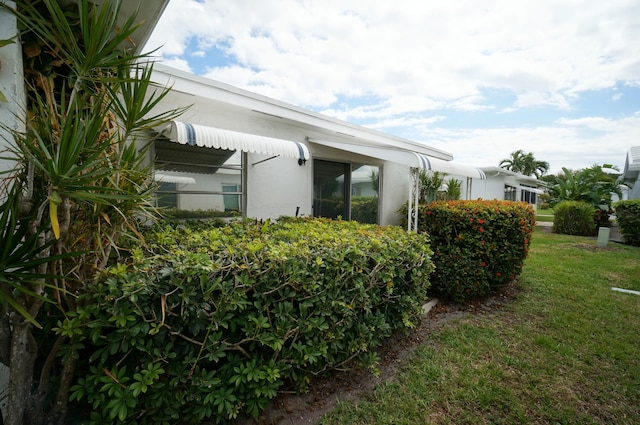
(479,79)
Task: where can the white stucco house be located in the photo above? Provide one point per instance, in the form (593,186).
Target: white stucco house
(507,185)
(240,152)
(630,176)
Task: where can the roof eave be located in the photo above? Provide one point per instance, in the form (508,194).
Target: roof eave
(199,86)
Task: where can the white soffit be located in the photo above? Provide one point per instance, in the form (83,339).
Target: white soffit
(211,137)
(408,158)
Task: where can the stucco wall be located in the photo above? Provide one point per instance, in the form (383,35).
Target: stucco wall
(395,192)
(634,192)
(11,83)
(278,187)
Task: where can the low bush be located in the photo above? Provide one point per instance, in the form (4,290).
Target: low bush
(211,323)
(574,218)
(478,246)
(628,217)
(364,209)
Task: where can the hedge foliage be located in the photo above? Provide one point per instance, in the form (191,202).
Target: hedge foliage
(478,246)
(628,217)
(212,322)
(574,218)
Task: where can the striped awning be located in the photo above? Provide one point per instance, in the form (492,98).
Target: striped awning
(449,167)
(406,157)
(217,138)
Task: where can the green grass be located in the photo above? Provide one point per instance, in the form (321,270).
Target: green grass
(544,215)
(566,351)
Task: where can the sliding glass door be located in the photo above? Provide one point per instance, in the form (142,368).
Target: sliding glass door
(346,191)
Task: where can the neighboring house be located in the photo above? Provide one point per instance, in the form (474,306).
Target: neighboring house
(507,185)
(631,174)
(241,152)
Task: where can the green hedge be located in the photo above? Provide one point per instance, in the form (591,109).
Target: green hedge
(478,246)
(364,209)
(628,217)
(210,323)
(574,218)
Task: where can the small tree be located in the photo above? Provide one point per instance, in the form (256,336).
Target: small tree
(430,183)
(591,185)
(453,190)
(525,163)
(79,183)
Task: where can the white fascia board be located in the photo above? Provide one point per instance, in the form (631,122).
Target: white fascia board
(198,86)
(149,12)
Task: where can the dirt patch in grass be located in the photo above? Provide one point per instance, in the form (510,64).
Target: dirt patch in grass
(290,408)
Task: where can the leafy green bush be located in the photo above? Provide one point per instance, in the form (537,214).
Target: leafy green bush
(478,245)
(364,209)
(574,218)
(212,322)
(176,213)
(628,216)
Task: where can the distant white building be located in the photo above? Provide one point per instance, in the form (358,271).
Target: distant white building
(503,184)
(631,174)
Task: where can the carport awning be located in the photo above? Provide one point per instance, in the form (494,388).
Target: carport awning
(168,178)
(211,137)
(409,158)
(532,189)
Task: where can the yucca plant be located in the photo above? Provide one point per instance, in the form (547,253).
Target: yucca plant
(80,184)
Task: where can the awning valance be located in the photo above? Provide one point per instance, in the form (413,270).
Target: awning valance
(408,158)
(211,137)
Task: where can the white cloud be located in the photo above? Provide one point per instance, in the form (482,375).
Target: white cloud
(562,145)
(417,62)
(441,51)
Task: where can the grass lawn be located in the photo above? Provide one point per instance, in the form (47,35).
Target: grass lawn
(544,215)
(566,351)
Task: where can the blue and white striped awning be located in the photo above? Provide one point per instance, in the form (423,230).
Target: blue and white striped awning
(217,138)
(448,167)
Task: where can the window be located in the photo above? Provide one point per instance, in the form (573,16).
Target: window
(167,197)
(527,196)
(510,193)
(231,197)
(348,191)
(214,179)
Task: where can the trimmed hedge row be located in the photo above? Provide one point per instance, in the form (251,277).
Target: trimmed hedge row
(628,217)
(211,323)
(478,245)
(574,218)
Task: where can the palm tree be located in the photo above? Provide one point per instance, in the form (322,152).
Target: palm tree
(525,163)
(80,183)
